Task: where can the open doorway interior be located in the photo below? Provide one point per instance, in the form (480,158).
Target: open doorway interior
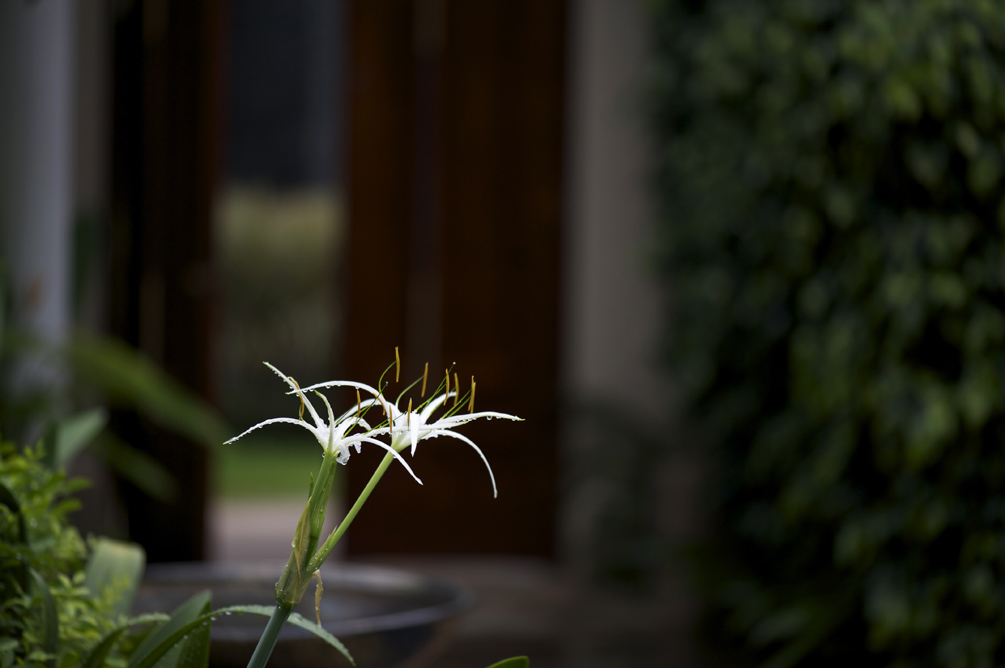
(279,231)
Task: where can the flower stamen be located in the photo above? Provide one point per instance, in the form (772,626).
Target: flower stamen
(397,365)
(471,402)
(457,388)
(425,376)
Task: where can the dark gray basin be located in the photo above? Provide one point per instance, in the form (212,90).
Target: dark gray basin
(384,617)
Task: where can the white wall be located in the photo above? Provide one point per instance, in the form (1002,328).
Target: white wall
(37,42)
(613,317)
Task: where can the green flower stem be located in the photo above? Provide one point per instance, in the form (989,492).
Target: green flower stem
(329,544)
(279,616)
(269,637)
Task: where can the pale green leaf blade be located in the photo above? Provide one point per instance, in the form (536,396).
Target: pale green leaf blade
(114,562)
(96,659)
(74,433)
(183,619)
(297,620)
(130,379)
(193,651)
(50,621)
(138,468)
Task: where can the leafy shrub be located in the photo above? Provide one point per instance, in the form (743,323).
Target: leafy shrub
(834,249)
(36,540)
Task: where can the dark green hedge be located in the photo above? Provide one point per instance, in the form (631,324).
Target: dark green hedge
(833,244)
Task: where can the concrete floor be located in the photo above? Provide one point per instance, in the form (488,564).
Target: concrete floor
(525,606)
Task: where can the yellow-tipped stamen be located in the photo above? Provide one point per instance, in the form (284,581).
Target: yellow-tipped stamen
(425,376)
(447,392)
(397,365)
(387,412)
(471,402)
(457,388)
(299,394)
(358,416)
(408,420)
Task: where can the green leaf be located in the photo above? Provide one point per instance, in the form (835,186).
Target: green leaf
(185,618)
(295,619)
(97,657)
(131,379)
(138,468)
(194,652)
(50,621)
(49,444)
(160,643)
(8,499)
(109,563)
(512,662)
(74,433)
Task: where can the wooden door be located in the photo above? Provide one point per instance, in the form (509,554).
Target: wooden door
(166,136)
(455,174)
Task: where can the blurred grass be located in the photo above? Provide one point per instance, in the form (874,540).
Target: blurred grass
(265,468)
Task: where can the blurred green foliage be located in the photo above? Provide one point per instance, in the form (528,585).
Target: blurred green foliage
(280,256)
(833,242)
(267,467)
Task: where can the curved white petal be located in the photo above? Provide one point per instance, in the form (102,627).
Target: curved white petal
(299,423)
(413,430)
(434,404)
(457,420)
(454,434)
(331,422)
(342,383)
(389,449)
(296,390)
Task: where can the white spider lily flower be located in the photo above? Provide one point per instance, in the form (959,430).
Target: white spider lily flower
(411,426)
(332,434)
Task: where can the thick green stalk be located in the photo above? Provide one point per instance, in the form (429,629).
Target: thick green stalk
(269,637)
(329,544)
(297,575)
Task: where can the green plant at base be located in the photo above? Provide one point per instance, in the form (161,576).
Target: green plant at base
(58,596)
(833,240)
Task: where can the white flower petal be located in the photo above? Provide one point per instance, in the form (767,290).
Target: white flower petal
(387,447)
(299,423)
(331,421)
(434,404)
(342,383)
(296,390)
(462,437)
(457,420)
(413,431)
